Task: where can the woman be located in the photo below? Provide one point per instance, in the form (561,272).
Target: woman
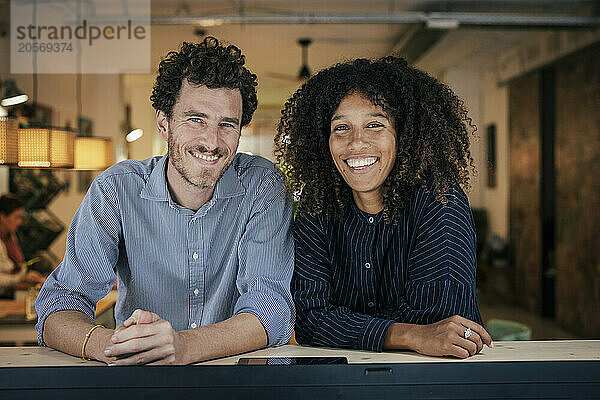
(385,242)
(12,270)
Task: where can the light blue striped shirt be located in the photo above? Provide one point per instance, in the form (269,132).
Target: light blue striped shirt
(234,255)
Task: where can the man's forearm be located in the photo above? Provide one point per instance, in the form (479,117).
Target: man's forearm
(238,334)
(66,330)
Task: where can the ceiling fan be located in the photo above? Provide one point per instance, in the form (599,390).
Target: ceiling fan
(304,72)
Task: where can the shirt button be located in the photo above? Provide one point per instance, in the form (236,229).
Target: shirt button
(193,325)
(371,304)
(195,256)
(196,291)
(367,265)
(371,219)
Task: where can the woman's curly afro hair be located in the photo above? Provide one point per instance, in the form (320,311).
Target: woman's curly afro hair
(208,63)
(432,134)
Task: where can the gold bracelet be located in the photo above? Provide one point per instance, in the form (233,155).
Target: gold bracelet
(87,337)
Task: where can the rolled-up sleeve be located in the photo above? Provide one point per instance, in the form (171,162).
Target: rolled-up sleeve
(87,272)
(266,260)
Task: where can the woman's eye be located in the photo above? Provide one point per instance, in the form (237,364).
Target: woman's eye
(339,128)
(375,125)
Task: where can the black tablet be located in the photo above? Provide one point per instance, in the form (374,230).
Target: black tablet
(292,360)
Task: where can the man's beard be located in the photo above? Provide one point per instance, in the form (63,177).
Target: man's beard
(207,177)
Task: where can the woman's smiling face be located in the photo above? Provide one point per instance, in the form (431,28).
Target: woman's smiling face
(362,143)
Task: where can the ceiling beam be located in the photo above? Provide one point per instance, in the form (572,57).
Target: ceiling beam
(417,43)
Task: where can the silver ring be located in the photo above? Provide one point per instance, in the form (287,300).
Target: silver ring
(467,333)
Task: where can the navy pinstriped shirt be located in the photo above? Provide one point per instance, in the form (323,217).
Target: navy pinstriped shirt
(233,255)
(356,275)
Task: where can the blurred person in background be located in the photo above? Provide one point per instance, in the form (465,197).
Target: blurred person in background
(13,269)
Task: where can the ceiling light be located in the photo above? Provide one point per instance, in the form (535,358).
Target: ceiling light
(134,135)
(207,22)
(12,95)
(14,100)
(437,23)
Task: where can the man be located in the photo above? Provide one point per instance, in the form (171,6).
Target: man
(199,239)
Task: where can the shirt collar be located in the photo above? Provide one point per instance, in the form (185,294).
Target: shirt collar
(366,217)
(229,185)
(156,185)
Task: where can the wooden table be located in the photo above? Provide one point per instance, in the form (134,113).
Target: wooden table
(547,369)
(15,328)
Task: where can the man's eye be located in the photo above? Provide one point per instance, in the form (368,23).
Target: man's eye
(375,125)
(195,120)
(227,125)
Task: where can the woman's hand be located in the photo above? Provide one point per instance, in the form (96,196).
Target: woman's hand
(447,338)
(443,338)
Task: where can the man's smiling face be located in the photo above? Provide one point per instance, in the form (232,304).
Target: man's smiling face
(203,133)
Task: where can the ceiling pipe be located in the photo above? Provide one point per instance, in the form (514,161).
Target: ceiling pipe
(430,18)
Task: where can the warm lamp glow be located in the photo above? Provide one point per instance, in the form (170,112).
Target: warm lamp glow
(62,152)
(44,147)
(34,147)
(93,153)
(8,141)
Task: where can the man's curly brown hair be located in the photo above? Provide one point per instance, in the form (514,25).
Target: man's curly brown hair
(208,63)
(432,134)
